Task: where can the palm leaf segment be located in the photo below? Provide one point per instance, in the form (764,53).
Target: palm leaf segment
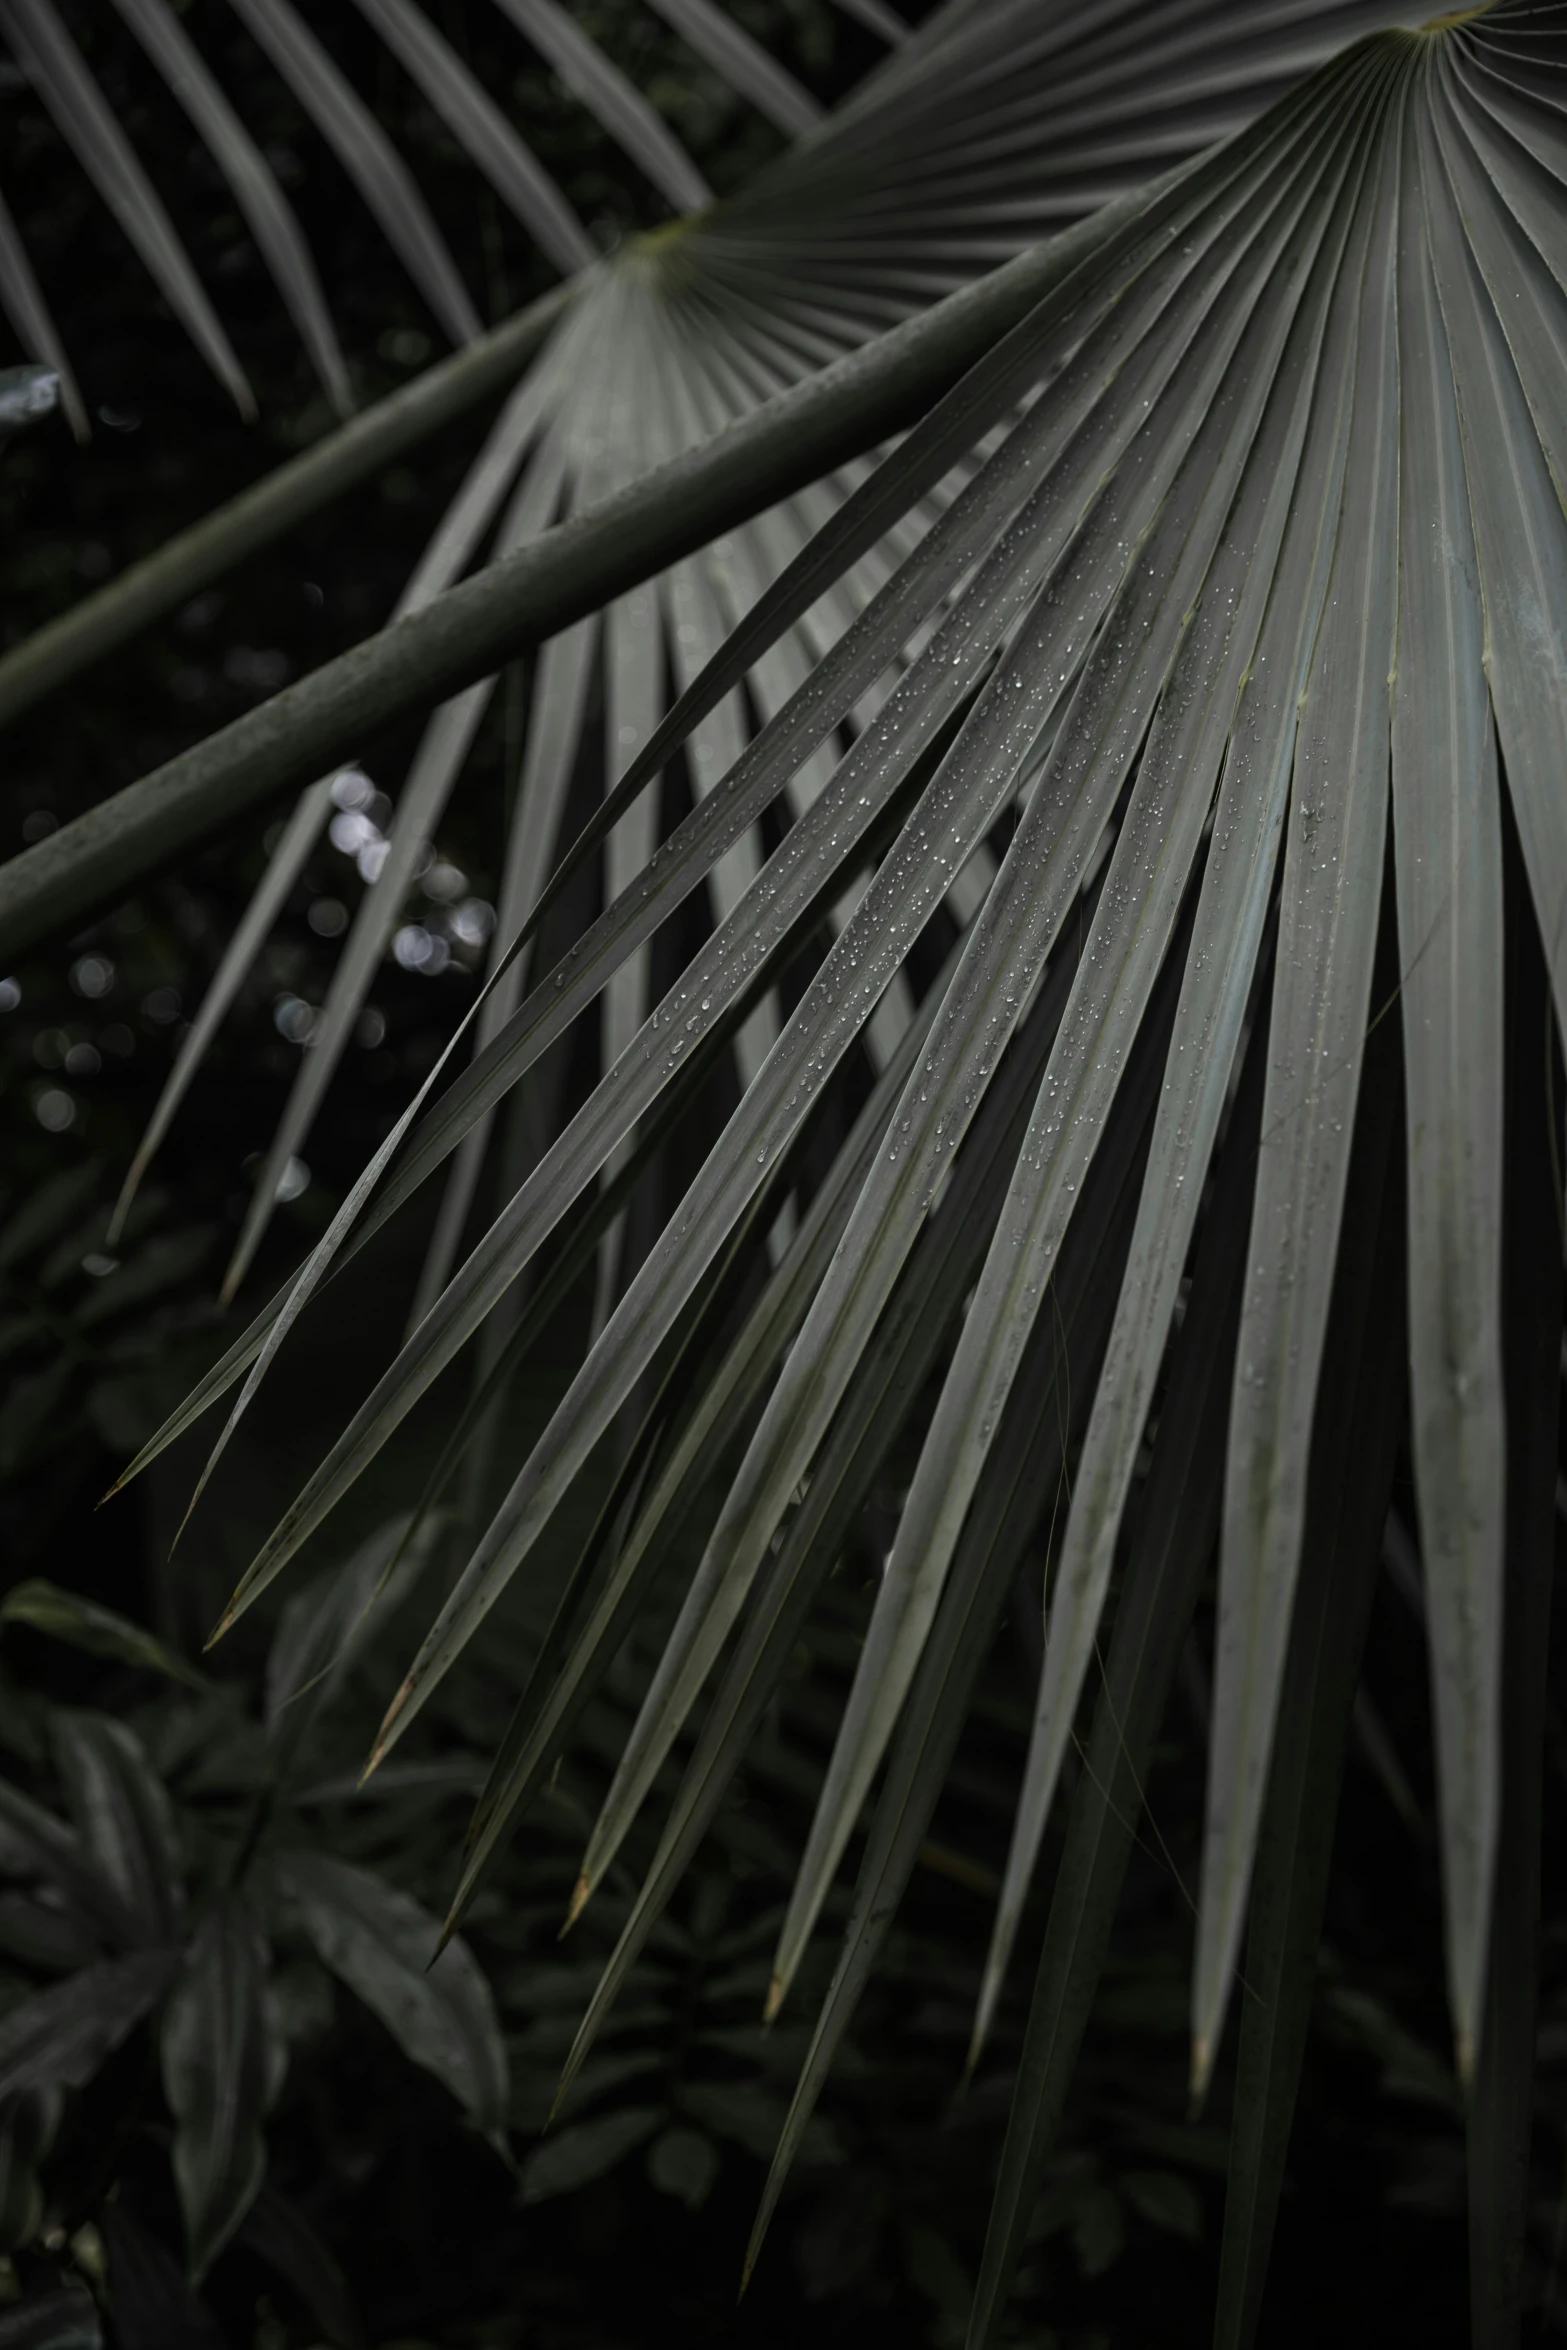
(1256,572)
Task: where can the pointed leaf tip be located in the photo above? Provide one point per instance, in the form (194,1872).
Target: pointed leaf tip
(775,1999)
(385,1737)
(577,1904)
(1202,2072)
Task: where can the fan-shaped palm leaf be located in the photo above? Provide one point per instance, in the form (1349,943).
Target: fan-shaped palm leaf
(1261,547)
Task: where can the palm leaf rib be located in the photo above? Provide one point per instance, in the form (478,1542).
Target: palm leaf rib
(1262,624)
(1448,863)
(721,1412)
(905,1347)
(1102,733)
(1351,1475)
(1038,1423)
(1171,1548)
(1332,879)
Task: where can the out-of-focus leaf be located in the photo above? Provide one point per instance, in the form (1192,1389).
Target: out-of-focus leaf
(367,155)
(218,2074)
(253,181)
(153,2305)
(60,2037)
(613,102)
(26,394)
(84,1623)
(278,2232)
(21,298)
(64,2317)
(443,747)
(582,2151)
(40,1934)
(381,1944)
(29,1229)
(481,129)
(59,73)
(683,2163)
(323,1626)
(124,1818)
(742,63)
(27,2126)
(34,1843)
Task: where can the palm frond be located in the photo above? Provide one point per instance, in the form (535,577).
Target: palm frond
(367,155)
(42,46)
(481,130)
(1238,542)
(22,300)
(266,209)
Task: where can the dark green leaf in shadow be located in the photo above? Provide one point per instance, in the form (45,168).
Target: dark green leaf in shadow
(60,2037)
(27,2127)
(322,1628)
(64,2317)
(585,2150)
(278,2232)
(33,1843)
(219,2072)
(150,2299)
(123,1816)
(83,1623)
(381,1943)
